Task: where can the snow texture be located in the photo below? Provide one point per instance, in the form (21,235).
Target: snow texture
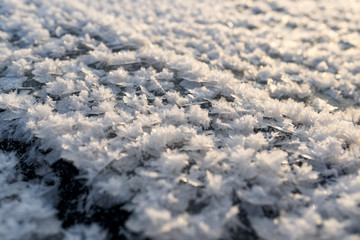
(162,119)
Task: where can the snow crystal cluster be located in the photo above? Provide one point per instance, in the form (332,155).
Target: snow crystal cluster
(162,119)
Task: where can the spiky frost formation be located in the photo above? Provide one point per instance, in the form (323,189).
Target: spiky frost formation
(179,119)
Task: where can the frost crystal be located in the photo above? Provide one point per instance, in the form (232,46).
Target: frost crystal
(179,119)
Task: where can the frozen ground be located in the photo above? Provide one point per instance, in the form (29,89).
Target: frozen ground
(185,119)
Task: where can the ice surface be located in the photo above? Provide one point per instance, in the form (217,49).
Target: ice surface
(186,119)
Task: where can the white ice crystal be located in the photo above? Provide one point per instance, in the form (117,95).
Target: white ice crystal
(179,119)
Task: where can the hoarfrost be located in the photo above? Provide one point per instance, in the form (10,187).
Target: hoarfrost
(179,120)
